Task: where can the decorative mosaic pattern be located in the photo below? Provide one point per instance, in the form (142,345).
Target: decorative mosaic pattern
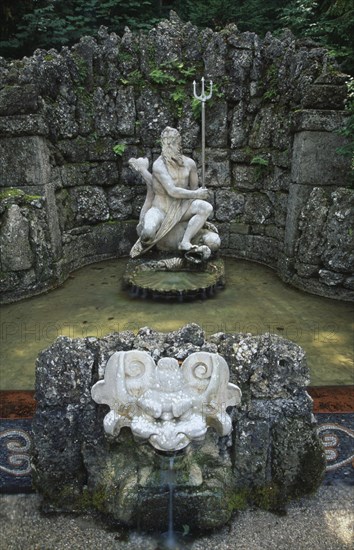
(335,430)
(15,447)
(337,434)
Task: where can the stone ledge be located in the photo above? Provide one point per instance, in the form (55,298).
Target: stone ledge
(316,120)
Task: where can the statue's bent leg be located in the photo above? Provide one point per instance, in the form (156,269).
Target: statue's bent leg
(198,214)
(211,240)
(151,224)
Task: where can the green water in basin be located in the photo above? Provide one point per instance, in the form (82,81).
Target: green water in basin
(92,303)
(167,280)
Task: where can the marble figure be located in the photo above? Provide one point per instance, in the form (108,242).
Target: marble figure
(167,404)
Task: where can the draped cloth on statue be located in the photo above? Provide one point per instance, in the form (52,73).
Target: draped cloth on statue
(174,215)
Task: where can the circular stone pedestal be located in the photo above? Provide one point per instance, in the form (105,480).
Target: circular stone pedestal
(173,278)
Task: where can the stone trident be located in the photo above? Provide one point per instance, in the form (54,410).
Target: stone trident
(203,98)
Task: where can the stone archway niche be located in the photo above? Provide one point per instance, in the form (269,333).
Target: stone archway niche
(280,189)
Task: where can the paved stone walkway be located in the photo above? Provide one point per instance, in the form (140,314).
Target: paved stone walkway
(323,522)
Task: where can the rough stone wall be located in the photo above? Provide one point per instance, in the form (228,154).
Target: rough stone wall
(276,180)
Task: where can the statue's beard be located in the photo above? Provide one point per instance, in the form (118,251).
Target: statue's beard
(173,157)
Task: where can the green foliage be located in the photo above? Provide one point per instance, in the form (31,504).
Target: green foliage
(238,500)
(172,72)
(54,23)
(298,15)
(261,165)
(211,13)
(179,97)
(159,76)
(187,71)
(249,15)
(329,23)
(119,149)
(270,94)
(259,161)
(176,77)
(268,497)
(11,193)
(271,83)
(82,67)
(196,108)
(135,78)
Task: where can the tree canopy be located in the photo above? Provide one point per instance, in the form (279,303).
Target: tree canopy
(30,24)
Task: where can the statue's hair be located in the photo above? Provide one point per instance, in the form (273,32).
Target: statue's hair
(169,132)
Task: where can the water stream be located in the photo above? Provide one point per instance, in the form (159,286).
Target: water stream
(92,303)
(171,541)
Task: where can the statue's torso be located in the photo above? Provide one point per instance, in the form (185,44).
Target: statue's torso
(180,176)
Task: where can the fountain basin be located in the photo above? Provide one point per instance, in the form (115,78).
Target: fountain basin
(92,304)
(174,278)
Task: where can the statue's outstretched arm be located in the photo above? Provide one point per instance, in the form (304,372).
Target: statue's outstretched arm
(141,165)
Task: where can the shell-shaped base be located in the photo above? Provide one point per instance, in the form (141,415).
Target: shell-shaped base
(174,279)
